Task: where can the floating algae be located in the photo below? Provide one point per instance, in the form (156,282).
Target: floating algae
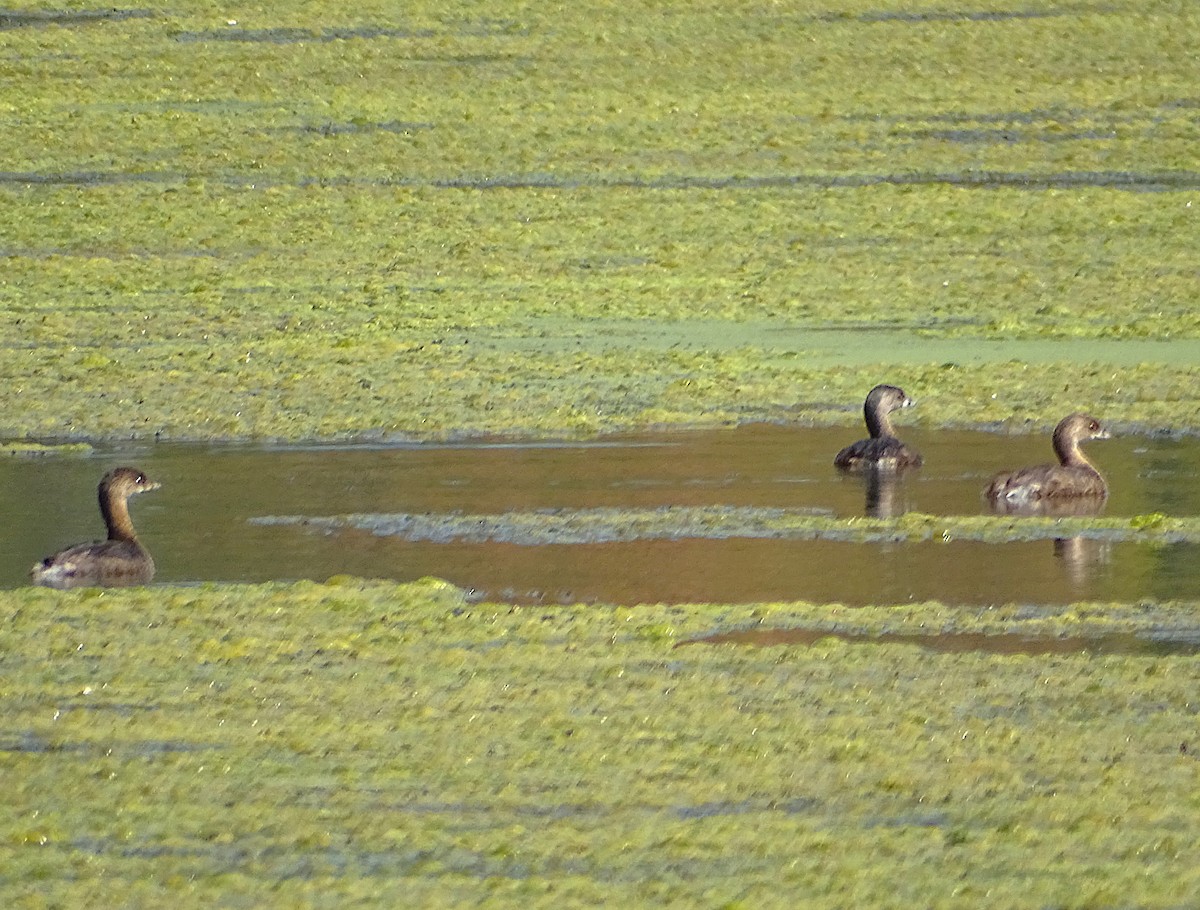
(608,525)
(184,250)
(43,450)
(366,741)
(183,264)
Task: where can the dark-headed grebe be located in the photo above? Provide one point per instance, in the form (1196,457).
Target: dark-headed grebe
(117,562)
(883,451)
(1074,477)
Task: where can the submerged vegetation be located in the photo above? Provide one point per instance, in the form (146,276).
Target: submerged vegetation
(426,220)
(607,525)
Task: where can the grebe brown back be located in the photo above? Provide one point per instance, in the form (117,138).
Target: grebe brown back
(1074,477)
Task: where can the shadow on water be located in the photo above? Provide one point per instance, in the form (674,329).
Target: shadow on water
(29,18)
(330,129)
(482,28)
(952,15)
(1149,182)
(958,642)
(201,525)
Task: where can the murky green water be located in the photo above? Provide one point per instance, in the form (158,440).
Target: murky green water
(201,524)
(840,346)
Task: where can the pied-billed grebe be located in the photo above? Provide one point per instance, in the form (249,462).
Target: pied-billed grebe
(119,561)
(1074,477)
(883,451)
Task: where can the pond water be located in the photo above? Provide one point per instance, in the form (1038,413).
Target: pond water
(202,524)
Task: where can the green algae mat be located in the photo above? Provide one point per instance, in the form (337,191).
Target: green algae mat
(374,744)
(315,220)
(423,220)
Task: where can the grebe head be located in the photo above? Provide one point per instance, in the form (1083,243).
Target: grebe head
(1071,431)
(126,482)
(885,398)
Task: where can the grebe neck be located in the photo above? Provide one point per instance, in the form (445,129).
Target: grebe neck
(879,422)
(1070,455)
(115,509)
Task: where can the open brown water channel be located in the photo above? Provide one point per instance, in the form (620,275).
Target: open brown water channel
(204,524)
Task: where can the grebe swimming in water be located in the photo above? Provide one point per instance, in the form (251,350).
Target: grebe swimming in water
(1073,478)
(882,451)
(119,561)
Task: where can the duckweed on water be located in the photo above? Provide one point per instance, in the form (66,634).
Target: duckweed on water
(379,742)
(608,525)
(351,244)
(327,221)
(26,449)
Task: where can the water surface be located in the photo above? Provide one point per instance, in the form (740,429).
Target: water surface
(199,525)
